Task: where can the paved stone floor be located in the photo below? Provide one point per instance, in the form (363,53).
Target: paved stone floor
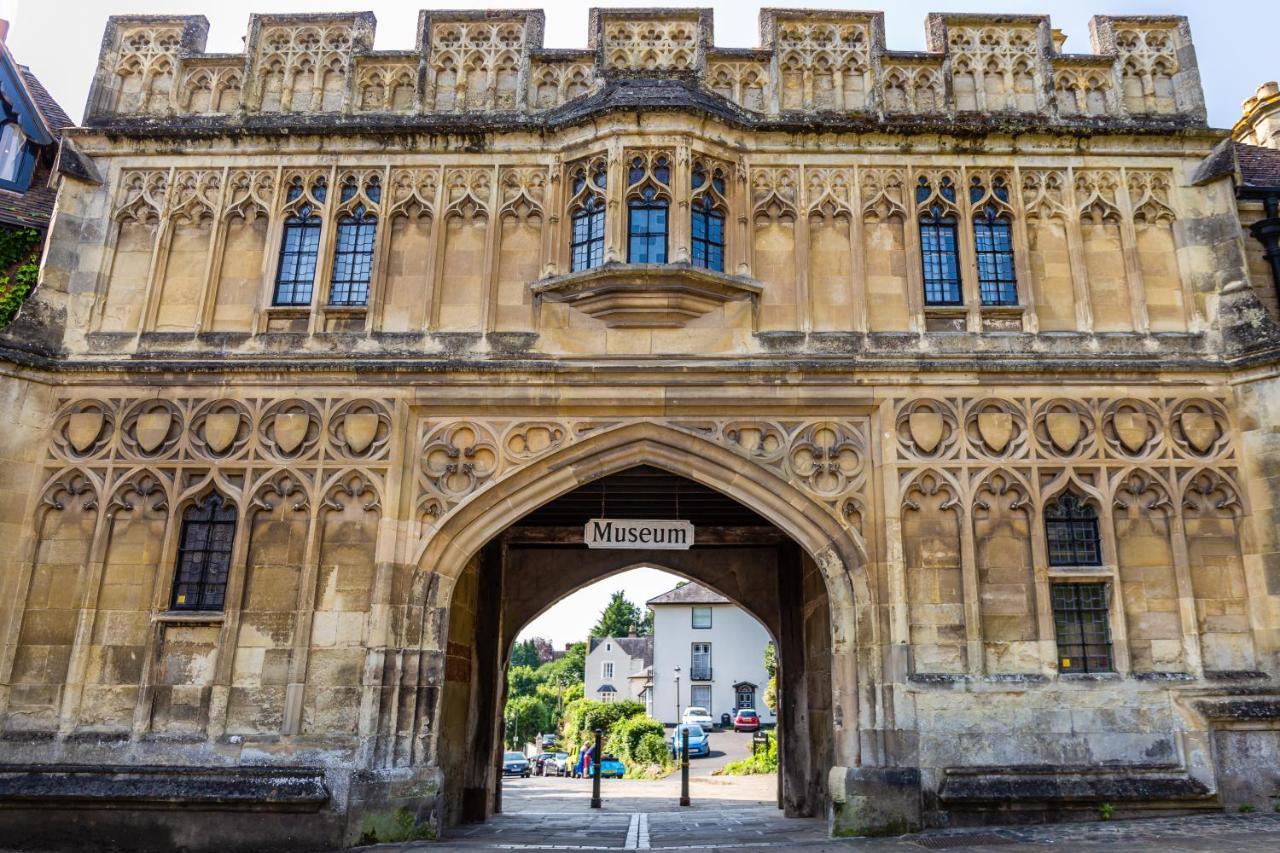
(739,814)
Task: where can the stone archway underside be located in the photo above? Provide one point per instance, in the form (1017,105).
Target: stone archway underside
(530,565)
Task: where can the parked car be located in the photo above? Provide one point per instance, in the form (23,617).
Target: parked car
(695,716)
(699,741)
(515,764)
(556,765)
(548,741)
(610,768)
(747,720)
(539,761)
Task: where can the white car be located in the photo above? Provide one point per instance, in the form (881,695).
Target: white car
(695,716)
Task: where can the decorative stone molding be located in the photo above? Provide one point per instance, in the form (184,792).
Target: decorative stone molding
(647,296)
(823,64)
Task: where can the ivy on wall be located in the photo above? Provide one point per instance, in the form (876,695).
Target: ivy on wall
(19,268)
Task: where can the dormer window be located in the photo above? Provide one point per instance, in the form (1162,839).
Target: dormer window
(13,149)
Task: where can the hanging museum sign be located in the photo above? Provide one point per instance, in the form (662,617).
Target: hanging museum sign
(638,533)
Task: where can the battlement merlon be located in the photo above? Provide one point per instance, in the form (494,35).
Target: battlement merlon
(821,66)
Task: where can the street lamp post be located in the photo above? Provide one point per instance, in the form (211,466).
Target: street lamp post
(677,695)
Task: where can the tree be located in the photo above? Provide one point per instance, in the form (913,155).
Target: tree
(542,647)
(771,667)
(525,718)
(525,653)
(620,617)
(521,681)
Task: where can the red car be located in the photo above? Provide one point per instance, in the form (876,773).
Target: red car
(747,720)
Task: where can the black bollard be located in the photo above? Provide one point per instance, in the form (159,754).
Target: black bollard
(595,771)
(684,766)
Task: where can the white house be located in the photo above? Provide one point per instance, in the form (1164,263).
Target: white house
(617,668)
(713,647)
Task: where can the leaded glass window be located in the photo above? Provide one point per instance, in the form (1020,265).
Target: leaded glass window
(1071,528)
(299,245)
(993,244)
(1082,622)
(204,554)
(648,208)
(708,218)
(586,217)
(939,246)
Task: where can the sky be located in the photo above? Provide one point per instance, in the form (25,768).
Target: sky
(1235,39)
(569,619)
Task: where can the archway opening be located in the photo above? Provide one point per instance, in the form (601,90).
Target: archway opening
(541,557)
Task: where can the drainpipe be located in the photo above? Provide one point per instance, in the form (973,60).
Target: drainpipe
(1267,232)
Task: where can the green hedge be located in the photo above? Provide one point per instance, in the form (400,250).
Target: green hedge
(763,761)
(625,737)
(19,268)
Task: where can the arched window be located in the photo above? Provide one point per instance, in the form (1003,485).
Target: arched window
(586,216)
(1071,529)
(204,554)
(993,243)
(939,248)
(648,203)
(707,218)
(299,245)
(353,248)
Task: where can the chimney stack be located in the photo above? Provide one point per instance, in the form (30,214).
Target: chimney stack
(631,632)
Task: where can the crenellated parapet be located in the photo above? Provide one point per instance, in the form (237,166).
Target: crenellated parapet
(825,67)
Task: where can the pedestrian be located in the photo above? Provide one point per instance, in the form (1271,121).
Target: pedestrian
(584,764)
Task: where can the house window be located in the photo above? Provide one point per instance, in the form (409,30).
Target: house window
(1081,620)
(13,149)
(607,696)
(586,216)
(606,670)
(745,696)
(707,219)
(204,554)
(939,248)
(353,249)
(648,203)
(702,617)
(993,243)
(1071,528)
(700,665)
(700,696)
(299,245)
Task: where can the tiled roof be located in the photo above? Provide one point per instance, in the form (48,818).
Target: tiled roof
(1259,167)
(33,208)
(635,647)
(689,593)
(54,115)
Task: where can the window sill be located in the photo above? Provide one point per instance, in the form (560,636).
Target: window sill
(647,296)
(190,617)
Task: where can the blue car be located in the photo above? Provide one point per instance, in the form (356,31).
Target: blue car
(699,741)
(610,768)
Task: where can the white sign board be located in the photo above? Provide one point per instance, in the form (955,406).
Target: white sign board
(638,533)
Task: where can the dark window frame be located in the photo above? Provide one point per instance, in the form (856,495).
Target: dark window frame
(299,252)
(586,235)
(940,258)
(203,564)
(648,229)
(707,233)
(697,673)
(993,251)
(353,250)
(1072,536)
(1082,627)
(693,617)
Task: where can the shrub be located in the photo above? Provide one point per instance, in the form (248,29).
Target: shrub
(625,736)
(19,268)
(584,716)
(652,749)
(763,761)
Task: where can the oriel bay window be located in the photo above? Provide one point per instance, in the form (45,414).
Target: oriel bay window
(707,217)
(993,242)
(204,554)
(353,247)
(648,207)
(939,246)
(299,243)
(586,215)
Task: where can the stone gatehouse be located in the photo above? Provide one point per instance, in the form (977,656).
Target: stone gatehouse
(953,358)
